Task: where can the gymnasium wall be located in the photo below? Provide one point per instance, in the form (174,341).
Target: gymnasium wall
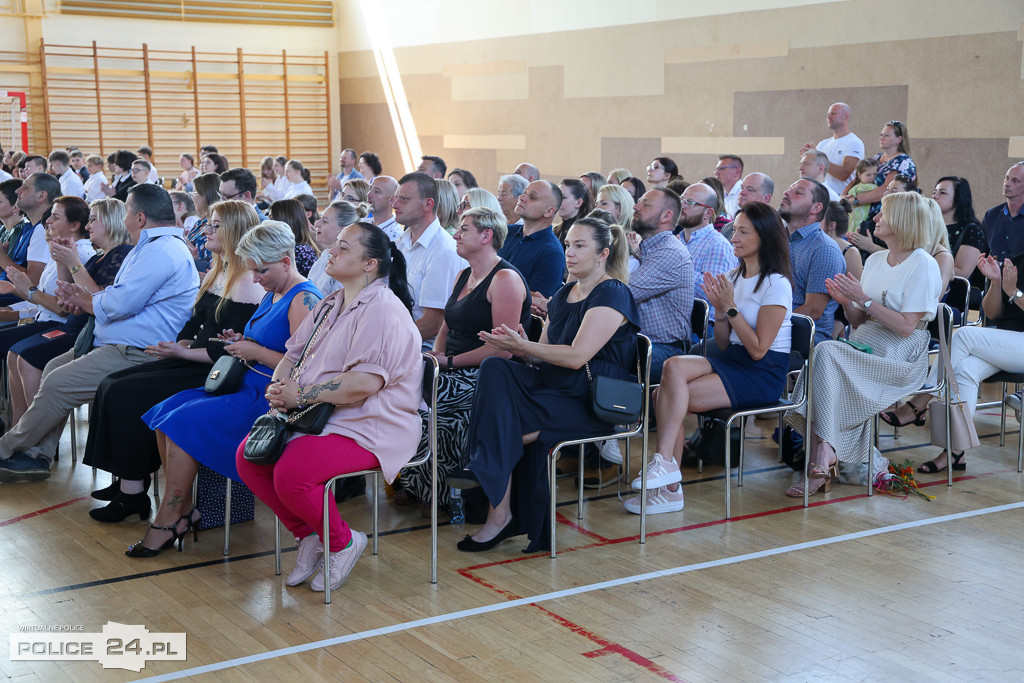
(574,86)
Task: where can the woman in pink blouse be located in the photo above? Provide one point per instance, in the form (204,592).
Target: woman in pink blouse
(365,360)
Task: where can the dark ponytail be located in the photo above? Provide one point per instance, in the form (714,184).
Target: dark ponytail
(305,174)
(390,260)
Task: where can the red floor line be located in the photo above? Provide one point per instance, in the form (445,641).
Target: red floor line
(607,647)
(30,515)
(562,519)
(702,525)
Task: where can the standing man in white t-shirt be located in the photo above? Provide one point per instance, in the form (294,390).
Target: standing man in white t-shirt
(844,149)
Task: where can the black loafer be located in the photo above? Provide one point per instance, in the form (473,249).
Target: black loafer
(114,490)
(468,545)
(462,479)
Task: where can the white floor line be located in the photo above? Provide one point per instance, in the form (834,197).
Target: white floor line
(555,595)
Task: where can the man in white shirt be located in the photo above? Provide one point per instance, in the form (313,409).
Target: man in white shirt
(382,191)
(146,154)
(431,261)
(729,171)
(814,165)
(70,182)
(31,165)
(844,149)
(4,175)
(35,199)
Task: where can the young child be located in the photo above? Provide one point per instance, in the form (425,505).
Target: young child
(867,169)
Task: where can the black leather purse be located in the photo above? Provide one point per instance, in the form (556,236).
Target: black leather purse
(226,376)
(617,401)
(270,432)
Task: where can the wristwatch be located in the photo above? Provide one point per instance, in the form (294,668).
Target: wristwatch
(867,304)
(31,291)
(75,268)
(732,313)
(451,362)
(1016,295)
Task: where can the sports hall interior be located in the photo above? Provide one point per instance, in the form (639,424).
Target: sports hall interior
(853,587)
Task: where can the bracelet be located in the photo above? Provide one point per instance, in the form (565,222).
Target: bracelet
(76,268)
(298,398)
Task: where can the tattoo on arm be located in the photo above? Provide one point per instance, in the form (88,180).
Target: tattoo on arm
(310,300)
(311,394)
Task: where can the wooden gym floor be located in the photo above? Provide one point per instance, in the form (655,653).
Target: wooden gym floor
(850,589)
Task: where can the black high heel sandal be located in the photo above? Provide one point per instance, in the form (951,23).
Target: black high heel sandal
(890,418)
(959,464)
(193,524)
(139,550)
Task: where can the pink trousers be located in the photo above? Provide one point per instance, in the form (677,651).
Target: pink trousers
(294,486)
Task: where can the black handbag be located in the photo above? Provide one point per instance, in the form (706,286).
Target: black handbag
(226,376)
(269,433)
(617,401)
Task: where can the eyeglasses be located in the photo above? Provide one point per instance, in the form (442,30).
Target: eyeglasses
(895,124)
(655,167)
(212,227)
(464,206)
(230,196)
(687,202)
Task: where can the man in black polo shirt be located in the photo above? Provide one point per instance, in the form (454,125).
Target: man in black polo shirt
(1004,223)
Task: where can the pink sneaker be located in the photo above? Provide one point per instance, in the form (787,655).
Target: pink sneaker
(658,500)
(660,472)
(341,563)
(307,560)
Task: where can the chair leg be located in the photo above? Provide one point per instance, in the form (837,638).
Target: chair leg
(74,436)
(579,495)
(743,438)
(277,546)
(1002,420)
(1020,447)
(728,470)
(376,511)
(871,460)
(326,537)
(552,476)
(227,517)
(780,436)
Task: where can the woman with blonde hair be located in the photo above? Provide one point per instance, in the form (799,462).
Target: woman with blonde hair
(592,321)
(618,175)
(476,198)
(889,309)
(618,202)
(119,442)
(447,205)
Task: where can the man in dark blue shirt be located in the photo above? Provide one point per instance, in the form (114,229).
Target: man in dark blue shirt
(533,248)
(1004,224)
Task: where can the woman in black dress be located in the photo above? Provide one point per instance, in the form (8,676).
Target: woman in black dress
(521,411)
(488,294)
(119,442)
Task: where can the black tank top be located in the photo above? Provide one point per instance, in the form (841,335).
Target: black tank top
(469,316)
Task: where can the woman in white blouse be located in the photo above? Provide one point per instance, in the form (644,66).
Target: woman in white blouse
(298,180)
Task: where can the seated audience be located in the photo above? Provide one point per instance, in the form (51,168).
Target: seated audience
(121,178)
(662,171)
(148,301)
(96,180)
(594,182)
(362,358)
(865,237)
(369,166)
(966,236)
(592,322)
(298,180)
(70,182)
(711,253)
(509,189)
(478,197)
(746,364)
(447,205)
(119,441)
(188,172)
(273,183)
(616,200)
(889,310)
(194,427)
(635,187)
(488,294)
(204,196)
(1004,222)
(616,176)
(576,203)
(836,223)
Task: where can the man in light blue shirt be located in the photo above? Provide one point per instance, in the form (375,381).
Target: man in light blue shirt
(149,302)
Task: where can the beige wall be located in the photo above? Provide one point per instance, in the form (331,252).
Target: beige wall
(579,86)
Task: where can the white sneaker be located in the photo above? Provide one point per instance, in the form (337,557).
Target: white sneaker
(660,472)
(659,500)
(341,563)
(307,560)
(1014,401)
(610,451)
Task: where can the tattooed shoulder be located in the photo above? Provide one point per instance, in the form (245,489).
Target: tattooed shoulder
(310,300)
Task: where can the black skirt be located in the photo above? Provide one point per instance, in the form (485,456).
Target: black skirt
(119,441)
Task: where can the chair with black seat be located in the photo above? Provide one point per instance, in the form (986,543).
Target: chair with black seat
(643,352)
(959,299)
(431,372)
(803,344)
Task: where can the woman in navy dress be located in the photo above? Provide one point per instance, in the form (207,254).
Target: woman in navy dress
(195,427)
(521,411)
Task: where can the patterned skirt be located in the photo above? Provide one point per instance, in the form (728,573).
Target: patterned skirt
(455,392)
(850,386)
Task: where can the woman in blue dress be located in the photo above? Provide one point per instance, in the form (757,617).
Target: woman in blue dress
(521,411)
(195,427)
